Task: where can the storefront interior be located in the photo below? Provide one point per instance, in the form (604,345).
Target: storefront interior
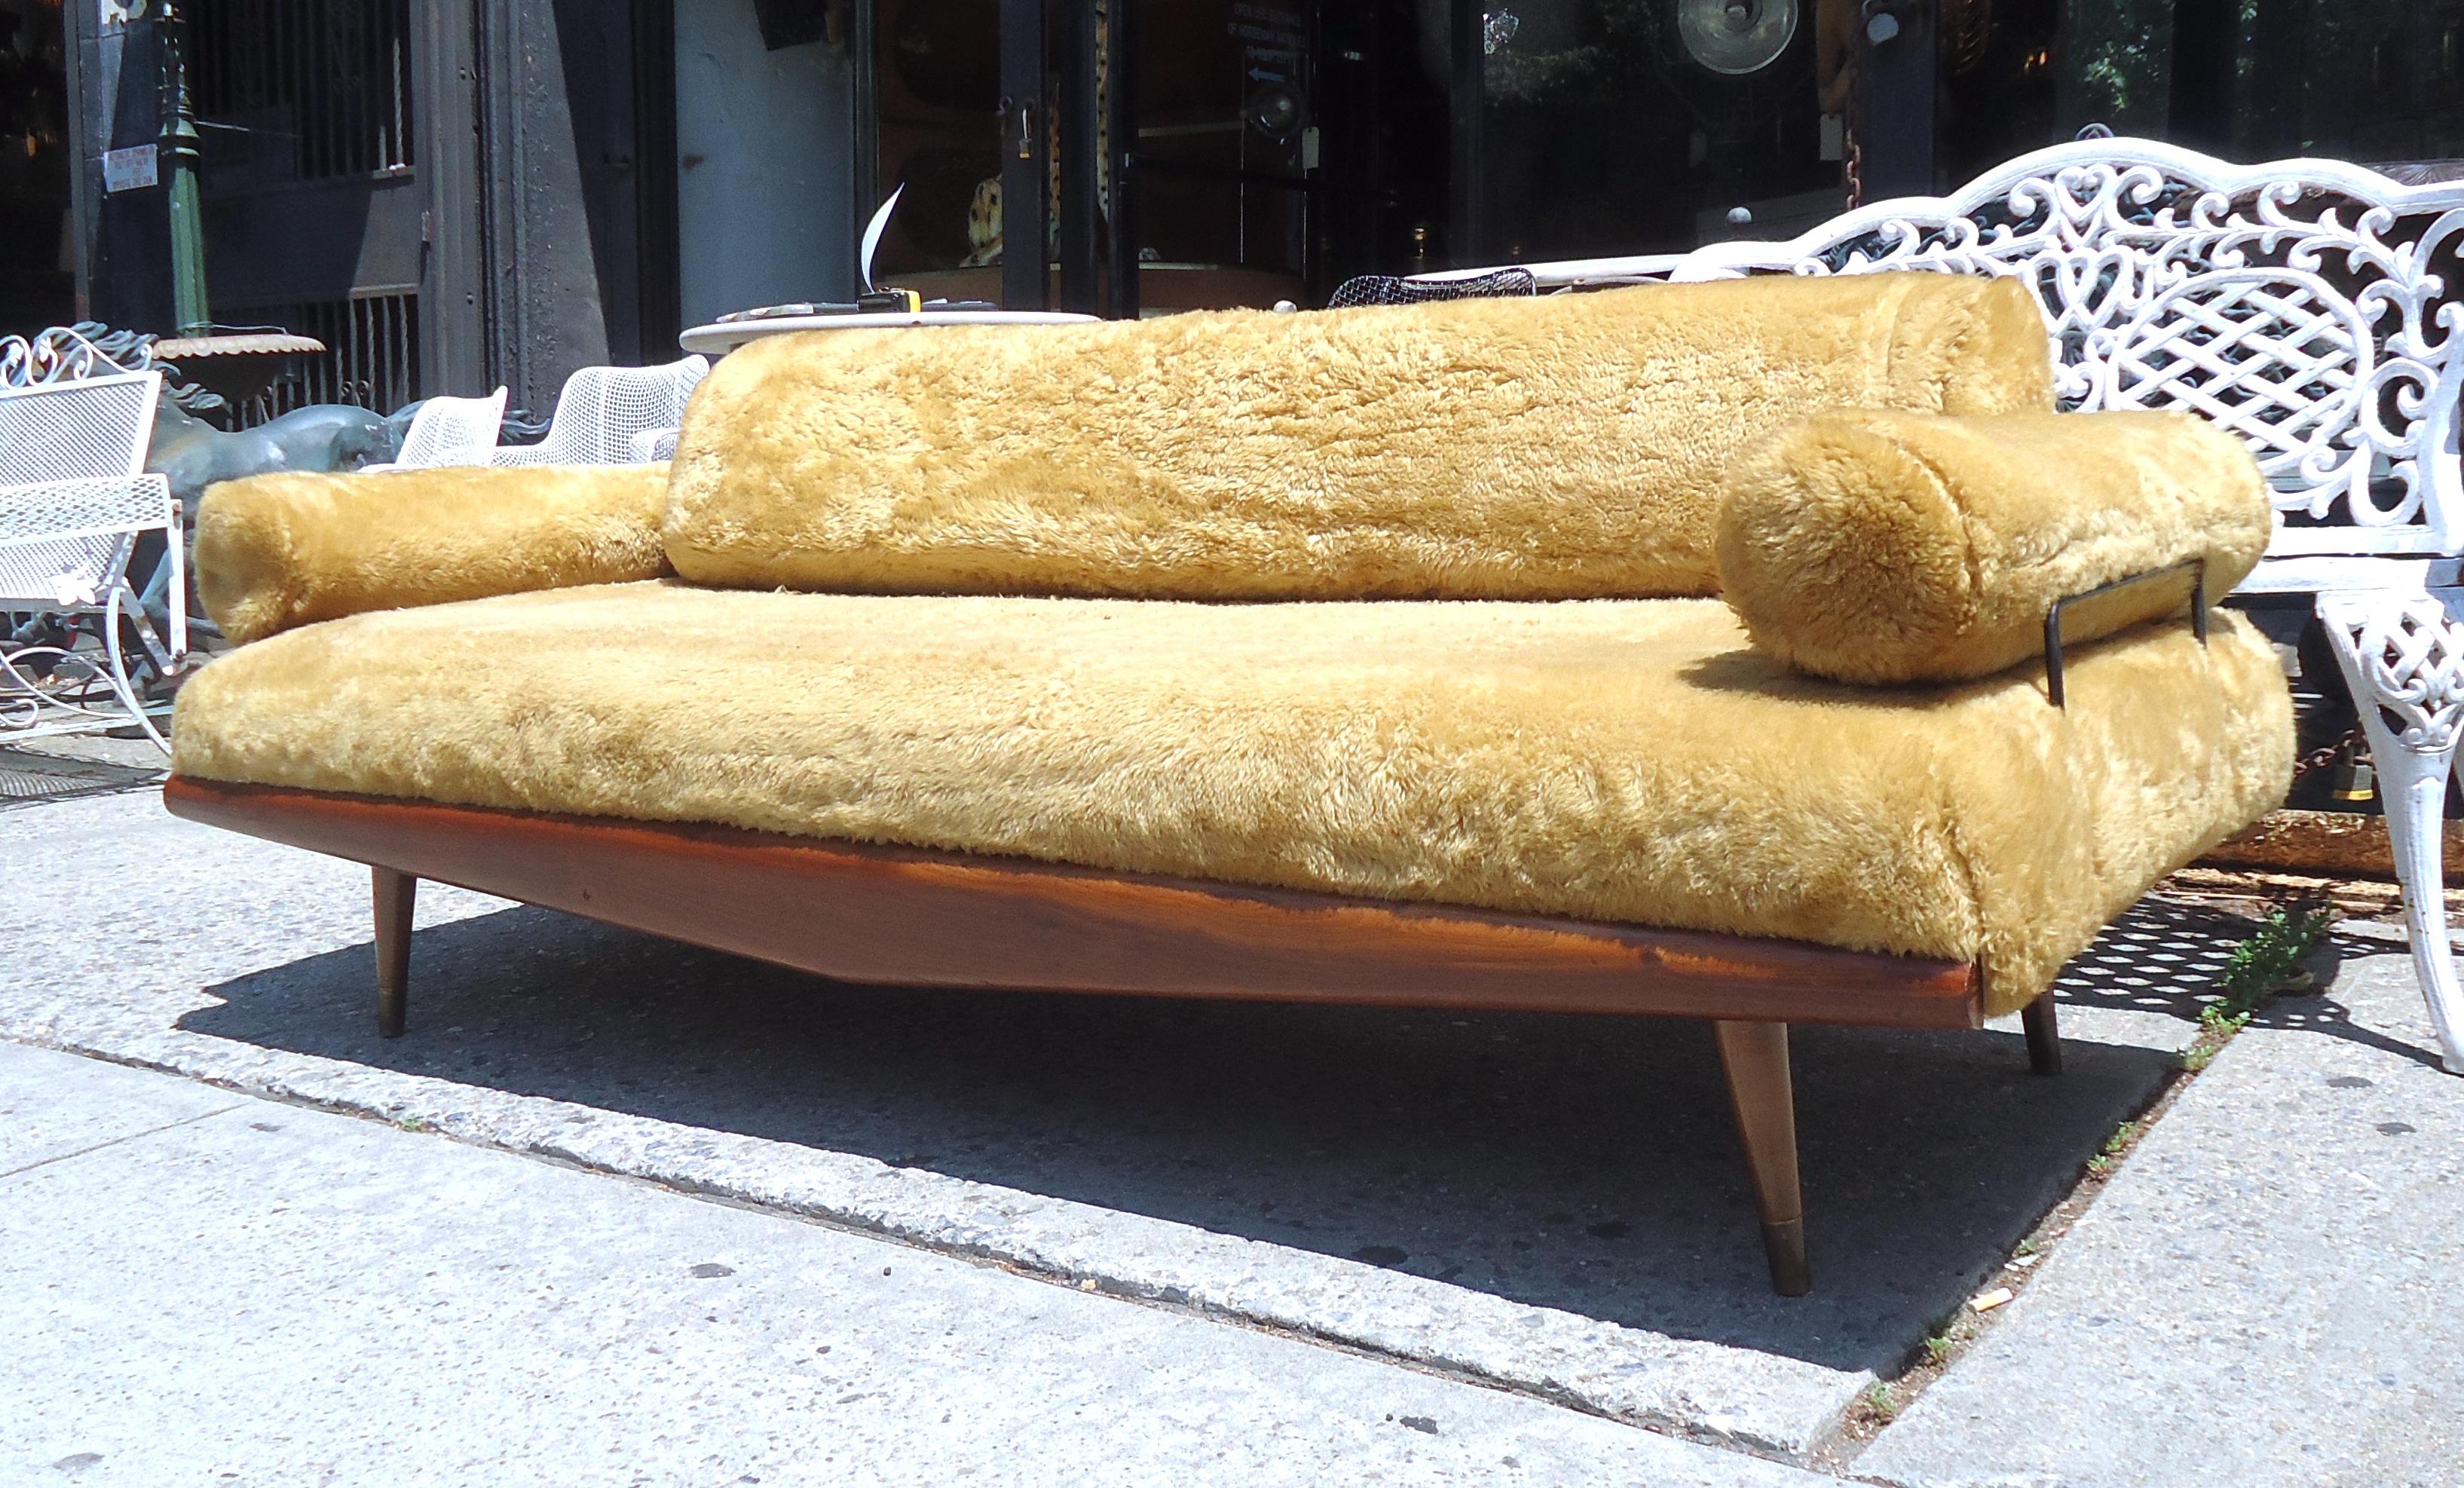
(461,193)
(1272,150)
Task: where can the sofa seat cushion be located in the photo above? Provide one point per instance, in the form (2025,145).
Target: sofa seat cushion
(1613,760)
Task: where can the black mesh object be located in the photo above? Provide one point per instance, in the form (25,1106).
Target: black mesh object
(1383,289)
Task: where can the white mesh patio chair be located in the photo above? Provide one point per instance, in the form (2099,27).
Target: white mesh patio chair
(602,409)
(75,499)
(652,445)
(451,431)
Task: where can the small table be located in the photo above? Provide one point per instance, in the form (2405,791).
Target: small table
(721,337)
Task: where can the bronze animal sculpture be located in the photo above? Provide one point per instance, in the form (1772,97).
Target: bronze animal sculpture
(327,436)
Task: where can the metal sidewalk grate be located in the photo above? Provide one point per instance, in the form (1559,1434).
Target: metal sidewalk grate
(27,779)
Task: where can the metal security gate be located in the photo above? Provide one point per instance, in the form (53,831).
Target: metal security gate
(318,211)
(371,355)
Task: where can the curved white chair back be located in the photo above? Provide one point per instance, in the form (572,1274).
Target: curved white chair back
(452,432)
(603,408)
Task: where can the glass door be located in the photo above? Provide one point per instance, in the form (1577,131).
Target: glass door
(1190,128)
(1620,126)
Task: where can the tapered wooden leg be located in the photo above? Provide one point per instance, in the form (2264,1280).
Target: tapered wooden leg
(1756,1056)
(394,892)
(2044,1036)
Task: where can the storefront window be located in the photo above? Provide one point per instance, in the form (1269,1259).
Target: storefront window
(2354,79)
(34,239)
(2365,79)
(1224,145)
(2117,66)
(936,69)
(1614,126)
(1282,145)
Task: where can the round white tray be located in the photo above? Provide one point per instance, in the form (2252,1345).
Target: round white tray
(722,337)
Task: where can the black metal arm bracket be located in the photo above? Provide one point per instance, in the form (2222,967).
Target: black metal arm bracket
(2198,567)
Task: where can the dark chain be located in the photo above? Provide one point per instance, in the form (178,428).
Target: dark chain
(2325,754)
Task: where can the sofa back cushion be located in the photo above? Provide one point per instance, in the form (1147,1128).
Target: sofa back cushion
(1564,447)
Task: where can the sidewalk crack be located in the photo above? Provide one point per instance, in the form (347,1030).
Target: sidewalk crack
(169,1125)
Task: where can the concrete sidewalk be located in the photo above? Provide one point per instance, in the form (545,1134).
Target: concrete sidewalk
(1551,1204)
(203,1287)
(1547,1205)
(2264,1294)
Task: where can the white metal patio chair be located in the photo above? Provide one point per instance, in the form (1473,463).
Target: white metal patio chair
(451,431)
(74,502)
(2313,307)
(652,445)
(602,410)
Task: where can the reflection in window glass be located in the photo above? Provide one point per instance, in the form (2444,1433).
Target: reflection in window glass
(1636,125)
(2358,80)
(2366,79)
(2117,66)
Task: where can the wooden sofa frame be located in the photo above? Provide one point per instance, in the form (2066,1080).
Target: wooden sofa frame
(902,916)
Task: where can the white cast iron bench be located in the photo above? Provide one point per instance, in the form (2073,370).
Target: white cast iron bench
(2315,308)
(75,499)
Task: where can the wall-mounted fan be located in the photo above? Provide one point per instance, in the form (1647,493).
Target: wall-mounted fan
(1734,37)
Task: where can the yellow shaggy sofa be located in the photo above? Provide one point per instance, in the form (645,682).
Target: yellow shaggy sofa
(1688,635)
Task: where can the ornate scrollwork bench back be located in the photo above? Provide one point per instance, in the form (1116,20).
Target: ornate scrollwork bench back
(2312,307)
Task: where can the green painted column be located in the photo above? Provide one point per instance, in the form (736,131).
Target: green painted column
(179,149)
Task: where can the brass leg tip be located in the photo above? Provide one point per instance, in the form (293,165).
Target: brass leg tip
(1785,1243)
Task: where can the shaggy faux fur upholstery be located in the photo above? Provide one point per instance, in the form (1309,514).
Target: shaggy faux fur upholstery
(1889,547)
(279,550)
(1614,760)
(1562,446)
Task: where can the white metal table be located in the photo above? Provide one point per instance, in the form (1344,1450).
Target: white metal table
(721,337)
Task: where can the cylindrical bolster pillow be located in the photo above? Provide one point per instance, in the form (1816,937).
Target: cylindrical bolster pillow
(279,550)
(1894,547)
(1554,448)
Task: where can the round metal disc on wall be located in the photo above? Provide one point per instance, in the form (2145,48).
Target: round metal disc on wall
(1736,36)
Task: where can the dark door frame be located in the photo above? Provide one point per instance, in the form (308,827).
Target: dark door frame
(1120,228)
(76,22)
(863,135)
(661,273)
(1024,151)
(1891,113)
(1467,30)
(455,303)
(1073,72)
(573,253)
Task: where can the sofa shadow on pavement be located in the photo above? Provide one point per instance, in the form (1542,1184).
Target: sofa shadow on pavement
(1579,1164)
